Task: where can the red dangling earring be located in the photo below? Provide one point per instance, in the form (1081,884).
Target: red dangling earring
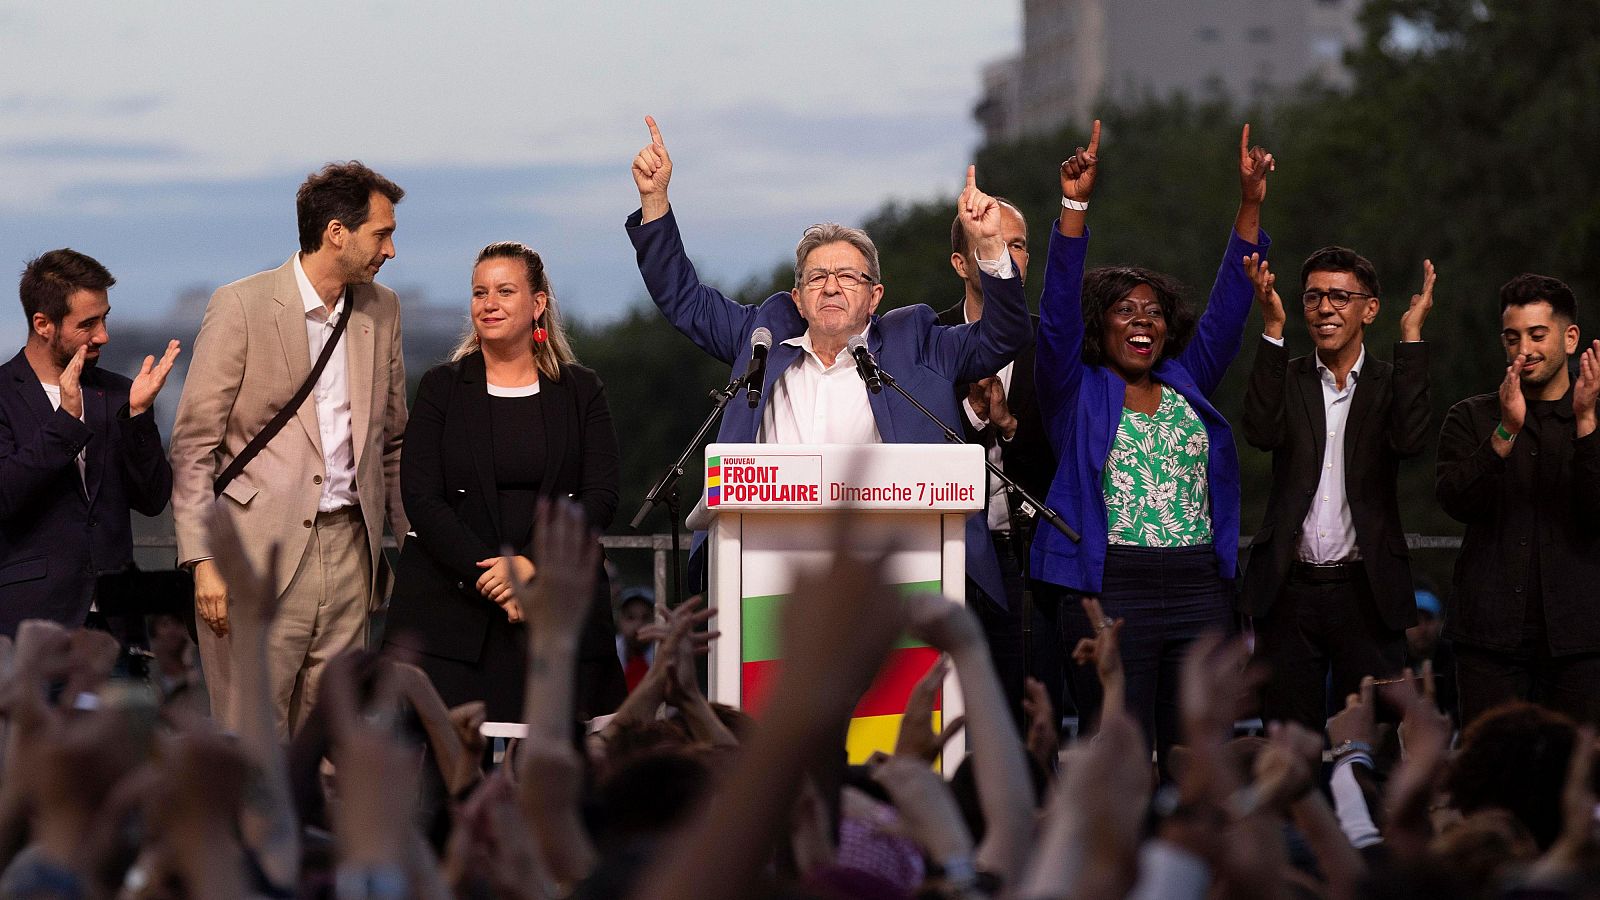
(540,335)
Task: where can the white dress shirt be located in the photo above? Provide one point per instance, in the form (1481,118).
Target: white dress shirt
(1328,533)
(332,397)
(816,404)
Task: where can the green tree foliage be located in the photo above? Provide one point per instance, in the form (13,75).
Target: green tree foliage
(657,385)
(1470,135)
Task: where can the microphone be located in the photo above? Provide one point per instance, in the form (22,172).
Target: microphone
(756,375)
(866,366)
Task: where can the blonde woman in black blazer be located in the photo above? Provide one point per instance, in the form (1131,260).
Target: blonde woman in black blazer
(510,419)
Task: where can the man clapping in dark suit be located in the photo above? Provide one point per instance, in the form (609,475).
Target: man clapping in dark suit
(1329,578)
(78,447)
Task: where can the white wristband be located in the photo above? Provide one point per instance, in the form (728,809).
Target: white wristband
(1078,205)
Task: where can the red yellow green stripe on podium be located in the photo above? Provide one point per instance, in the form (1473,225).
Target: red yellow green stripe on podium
(714,481)
(876,719)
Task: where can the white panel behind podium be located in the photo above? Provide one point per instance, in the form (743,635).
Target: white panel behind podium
(768,509)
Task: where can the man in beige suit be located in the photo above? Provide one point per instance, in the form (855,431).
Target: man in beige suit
(321,488)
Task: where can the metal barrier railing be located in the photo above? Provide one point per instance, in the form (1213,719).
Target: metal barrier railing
(661,544)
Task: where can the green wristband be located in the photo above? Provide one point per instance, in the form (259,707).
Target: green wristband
(1501,433)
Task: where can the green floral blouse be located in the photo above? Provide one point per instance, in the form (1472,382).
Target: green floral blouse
(1155,478)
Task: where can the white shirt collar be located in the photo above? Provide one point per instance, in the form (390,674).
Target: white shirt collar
(310,300)
(804,343)
(1355,371)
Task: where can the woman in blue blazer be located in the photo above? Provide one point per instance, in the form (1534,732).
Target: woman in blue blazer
(1148,473)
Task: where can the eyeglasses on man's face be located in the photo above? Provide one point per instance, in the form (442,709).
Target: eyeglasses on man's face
(1339,298)
(849,279)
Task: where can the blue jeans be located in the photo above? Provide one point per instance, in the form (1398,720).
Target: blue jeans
(1167,597)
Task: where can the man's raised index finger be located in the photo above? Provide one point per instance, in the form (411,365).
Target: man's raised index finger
(972,177)
(655,133)
(1094,138)
(1244,140)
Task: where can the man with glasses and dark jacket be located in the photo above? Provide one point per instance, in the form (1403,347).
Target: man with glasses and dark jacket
(1329,578)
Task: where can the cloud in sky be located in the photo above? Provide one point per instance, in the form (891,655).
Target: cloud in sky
(98,151)
(168,140)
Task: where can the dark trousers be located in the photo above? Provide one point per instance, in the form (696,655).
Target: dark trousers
(1322,635)
(1567,684)
(1167,597)
(1018,652)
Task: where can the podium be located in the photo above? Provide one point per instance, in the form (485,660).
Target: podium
(770,511)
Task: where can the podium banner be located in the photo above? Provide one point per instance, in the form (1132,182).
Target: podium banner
(807,477)
(772,512)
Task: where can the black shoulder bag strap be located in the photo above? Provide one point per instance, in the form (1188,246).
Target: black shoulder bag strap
(271,429)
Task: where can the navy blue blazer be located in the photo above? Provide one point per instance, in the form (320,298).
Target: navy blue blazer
(928,359)
(56,536)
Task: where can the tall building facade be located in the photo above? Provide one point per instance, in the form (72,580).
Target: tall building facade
(1076,52)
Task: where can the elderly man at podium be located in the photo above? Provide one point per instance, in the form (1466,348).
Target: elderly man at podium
(811,392)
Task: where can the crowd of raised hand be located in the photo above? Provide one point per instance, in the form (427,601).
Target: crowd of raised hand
(386,793)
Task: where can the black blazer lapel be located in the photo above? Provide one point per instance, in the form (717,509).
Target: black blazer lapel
(1020,398)
(472,399)
(556,410)
(779,359)
(1311,395)
(1372,381)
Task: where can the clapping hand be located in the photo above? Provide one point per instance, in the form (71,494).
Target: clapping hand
(1261,275)
(1000,415)
(1586,389)
(71,390)
(1421,304)
(152,375)
(1513,406)
(978,400)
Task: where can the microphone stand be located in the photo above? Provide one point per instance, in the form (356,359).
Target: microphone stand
(1031,506)
(667,485)
(1017,500)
